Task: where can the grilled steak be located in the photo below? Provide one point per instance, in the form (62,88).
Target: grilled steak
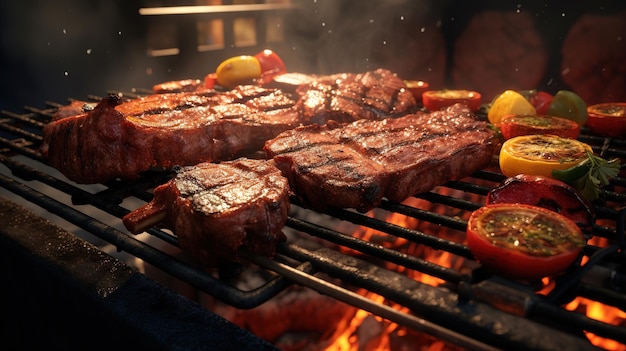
(347,97)
(75,107)
(356,165)
(215,209)
(178,86)
(123,140)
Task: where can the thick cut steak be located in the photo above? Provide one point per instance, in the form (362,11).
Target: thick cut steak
(123,140)
(356,165)
(216,208)
(347,97)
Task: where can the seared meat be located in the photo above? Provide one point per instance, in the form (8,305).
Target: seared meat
(75,107)
(164,130)
(215,209)
(178,86)
(123,140)
(347,97)
(356,165)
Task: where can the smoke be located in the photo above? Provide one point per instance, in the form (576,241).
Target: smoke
(354,36)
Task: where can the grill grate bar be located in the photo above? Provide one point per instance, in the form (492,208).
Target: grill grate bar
(169,264)
(376,250)
(370,257)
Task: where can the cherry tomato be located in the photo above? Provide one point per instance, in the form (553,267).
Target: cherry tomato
(210,80)
(541,100)
(271,65)
(540,154)
(516,125)
(238,70)
(545,192)
(510,102)
(608,119)
(437,99)
(523,241)
(568,105)
(417,88)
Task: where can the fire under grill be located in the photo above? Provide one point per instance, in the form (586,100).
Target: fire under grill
(469,308)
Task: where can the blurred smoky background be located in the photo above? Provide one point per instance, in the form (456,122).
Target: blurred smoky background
(55,50)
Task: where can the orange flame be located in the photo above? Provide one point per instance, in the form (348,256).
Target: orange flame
(346,338)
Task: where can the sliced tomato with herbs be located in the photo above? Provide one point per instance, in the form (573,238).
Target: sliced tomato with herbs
(539,154)
(541,100)
(516,125)
(435,100)
(545,192)
(522,241)
(607,119)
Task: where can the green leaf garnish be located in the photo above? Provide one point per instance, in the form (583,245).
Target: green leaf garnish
(589,175)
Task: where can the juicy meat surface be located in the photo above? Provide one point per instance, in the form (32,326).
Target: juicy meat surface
(74,108)
(215,209)
(356,165)
(347,97)
(178,86)
(123,140)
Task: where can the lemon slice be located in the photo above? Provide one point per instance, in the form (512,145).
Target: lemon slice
(509,102)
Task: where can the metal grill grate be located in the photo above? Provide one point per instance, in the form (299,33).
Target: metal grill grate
(461,310)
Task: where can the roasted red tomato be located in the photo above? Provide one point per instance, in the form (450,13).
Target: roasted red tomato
(541,100)
(437,99)
(271,65)
(608,119)
(545,192)
(516,125)
(523,241)
(417,88)
(210,80)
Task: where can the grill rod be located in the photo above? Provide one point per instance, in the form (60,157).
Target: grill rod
(171,265)
(364,303)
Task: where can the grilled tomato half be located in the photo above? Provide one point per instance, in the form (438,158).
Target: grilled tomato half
(437,99)
(570,105)
(516,125)
(539,154)
(522,241)
(607,119)
(545,192)
(417,88)
(510,102)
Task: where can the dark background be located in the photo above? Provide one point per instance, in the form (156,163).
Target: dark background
(55,50)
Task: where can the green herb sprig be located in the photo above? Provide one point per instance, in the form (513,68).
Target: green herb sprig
(589,175)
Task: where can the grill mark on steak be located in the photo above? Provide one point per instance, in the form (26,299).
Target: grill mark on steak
(215,209)
(123,140)
(346,97)
(355,165)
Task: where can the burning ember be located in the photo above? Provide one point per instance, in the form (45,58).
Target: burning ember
(354,329)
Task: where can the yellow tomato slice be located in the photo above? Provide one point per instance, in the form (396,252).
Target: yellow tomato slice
(238,70)
(540,154)
(509,102)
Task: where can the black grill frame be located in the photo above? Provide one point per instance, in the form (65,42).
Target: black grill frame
(446,312)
